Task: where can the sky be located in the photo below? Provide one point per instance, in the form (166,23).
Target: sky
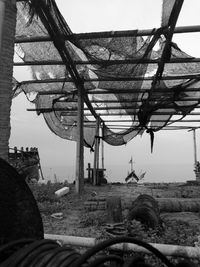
(172,159)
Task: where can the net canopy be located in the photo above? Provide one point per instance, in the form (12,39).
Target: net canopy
(127,83)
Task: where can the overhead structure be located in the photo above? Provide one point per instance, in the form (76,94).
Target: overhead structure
(125,82)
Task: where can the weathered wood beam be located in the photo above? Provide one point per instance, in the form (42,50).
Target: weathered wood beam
(163,128)
(96,153)
(117,79)
(131,101)
(188,252)
(158,120)
(107,34)
(64,113)
(122,126)
(79,179)
(70,109)
(106,62)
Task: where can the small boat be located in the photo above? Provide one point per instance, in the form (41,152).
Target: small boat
(132,177)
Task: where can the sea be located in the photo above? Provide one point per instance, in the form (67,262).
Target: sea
(153,173)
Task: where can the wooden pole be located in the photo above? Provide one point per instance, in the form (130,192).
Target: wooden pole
(108,34)
(195,147)
(2,11)
(116,79)
(42,110)
(79,185)
(102,150)
(110,91)
(167,250)
(7,35)
(105,62)
(89,171)
(96,153)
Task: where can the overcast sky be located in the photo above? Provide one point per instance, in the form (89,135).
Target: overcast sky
(172,159)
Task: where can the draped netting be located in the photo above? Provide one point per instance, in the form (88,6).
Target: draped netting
(116,74)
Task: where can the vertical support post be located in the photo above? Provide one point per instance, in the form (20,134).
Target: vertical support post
(2,11)
(79,185)
(96,153)
(89,171)
(102,152)
(195,147)
(7,37)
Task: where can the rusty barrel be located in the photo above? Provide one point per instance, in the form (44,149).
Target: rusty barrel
(145,209)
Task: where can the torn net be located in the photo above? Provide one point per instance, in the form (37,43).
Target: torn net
(114,71)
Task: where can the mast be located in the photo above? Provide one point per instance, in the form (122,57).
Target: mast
(131,162)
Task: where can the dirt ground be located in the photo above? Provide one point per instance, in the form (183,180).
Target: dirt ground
(77,220)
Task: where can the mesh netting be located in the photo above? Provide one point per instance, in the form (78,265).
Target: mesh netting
(115,74)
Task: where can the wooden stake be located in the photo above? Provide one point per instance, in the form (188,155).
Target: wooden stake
(80,146)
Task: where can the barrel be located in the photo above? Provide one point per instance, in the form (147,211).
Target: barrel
(145,209)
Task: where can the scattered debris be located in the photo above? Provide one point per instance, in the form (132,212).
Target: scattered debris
(58,215)
(116,229)
(94,194)
(61,192)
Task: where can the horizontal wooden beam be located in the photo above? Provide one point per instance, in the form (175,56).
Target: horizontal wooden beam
(152,100)
(43,110)
(122,126)
(117,79)
(62,93)
(165,128)
(136,120)
(107,34)
(73,113)
(106,62)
